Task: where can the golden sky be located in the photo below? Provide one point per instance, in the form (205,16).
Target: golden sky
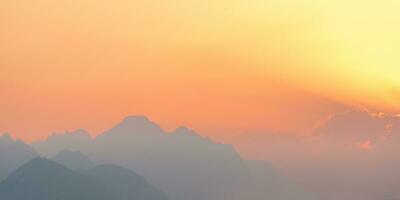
(217,66)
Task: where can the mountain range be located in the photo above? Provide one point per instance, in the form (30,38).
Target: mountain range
(74,160)
(13,154)
(181,164)
(43,179)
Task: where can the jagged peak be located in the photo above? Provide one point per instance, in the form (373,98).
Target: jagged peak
(136,120)
(36,167)
(81,133)
(39,161)
(6,137)
(134,124)
(185,131)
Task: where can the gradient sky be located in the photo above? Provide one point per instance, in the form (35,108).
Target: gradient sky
(221,67)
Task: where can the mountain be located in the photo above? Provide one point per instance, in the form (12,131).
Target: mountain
(43,179)
(13,154)
(266,181)
(74,160)
(183,164)
(128,184)
(75,141)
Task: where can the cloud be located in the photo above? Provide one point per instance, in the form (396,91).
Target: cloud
(350,156)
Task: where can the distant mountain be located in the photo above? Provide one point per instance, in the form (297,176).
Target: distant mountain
(75,141)
(268,182)
(13,154)
(43,179)
(184,164)
(127,183)
(74,160)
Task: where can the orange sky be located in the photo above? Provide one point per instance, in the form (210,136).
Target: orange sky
(221,67)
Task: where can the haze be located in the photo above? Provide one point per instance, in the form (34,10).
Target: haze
(214,65)
(281,80)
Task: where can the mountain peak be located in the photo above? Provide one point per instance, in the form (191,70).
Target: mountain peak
(39,161)
(80,132)
(137,124)
(136,119)
(6,137)
(38,165)
(73,160)
(44,179)
(182,130)
(185,132)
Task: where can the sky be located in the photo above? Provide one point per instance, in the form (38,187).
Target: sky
(225,68)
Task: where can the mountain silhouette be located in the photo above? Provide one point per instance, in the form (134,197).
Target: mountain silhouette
(137,125)
(183,164)
(13,154)
(74,160)
(43,179)
(266,181)
(128,184)
(55,143)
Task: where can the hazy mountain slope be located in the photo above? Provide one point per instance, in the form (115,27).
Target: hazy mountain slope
(13,154)
(268,182)
(127,183)
(43,179)
(74,160)
(186,165)
(77,140)
(183,164)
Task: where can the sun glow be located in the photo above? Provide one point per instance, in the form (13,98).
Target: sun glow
(253,59)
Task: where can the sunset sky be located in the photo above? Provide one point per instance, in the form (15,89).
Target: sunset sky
(220,67)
